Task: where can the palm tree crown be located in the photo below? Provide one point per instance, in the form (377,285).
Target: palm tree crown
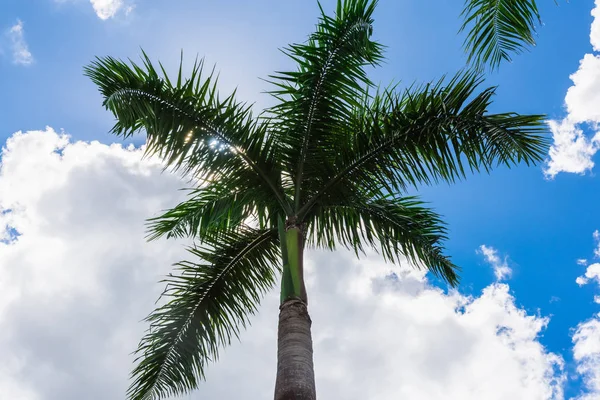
(334,158)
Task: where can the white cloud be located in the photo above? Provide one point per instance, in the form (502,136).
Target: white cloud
(415,344)
(80,276)
(76,282)
(501,269)
(572,151)
(106,9)
(20,50)
(591,274)
(582,261)
(595,31)
(581,280)
(583,97)
(586,340)
(586,351)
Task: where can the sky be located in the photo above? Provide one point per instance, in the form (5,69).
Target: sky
(77,277)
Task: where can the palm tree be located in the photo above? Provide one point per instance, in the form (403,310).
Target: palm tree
(329,166)
(498,28)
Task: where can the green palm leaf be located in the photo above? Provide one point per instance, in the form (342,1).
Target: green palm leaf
(187,124)
(207,305)
(391,225)
(317,99)
(427,134)
(214,209)
(498,28)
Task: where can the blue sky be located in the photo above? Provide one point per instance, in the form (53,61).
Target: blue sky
(541,225)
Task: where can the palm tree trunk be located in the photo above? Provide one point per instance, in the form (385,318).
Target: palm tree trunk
(295,370)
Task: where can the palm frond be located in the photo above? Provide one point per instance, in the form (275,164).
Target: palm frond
(392,225)
(187,123)
(208,304)
(215,209)
(437,132)
(318,98)
(498,29)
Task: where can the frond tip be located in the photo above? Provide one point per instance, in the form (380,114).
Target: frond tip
(498,28)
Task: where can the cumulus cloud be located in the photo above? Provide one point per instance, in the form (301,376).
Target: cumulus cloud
(595,31)
(572,151)
(586,339)
(586,351)
(592,272)
(19,48)
(500,265)
(77,277)
(106,9)
(583,97)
